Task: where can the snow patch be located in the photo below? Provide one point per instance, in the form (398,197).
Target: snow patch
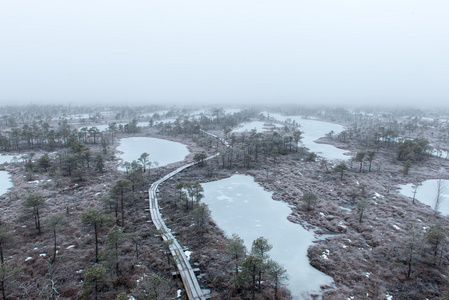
(325,254)
(43,254)
(396,227)
(188,254)
(377,195)
(71,246)
(28,258)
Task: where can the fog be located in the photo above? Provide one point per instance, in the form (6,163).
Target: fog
(285,51)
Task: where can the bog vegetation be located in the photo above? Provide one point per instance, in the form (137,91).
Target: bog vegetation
(74,226)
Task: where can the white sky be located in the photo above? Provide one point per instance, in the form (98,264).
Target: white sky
(314,51)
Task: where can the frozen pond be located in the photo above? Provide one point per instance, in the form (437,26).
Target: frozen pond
(6,182)
(427,192)
(313,130)
(240,205)
(162,151)
(6,158)
(257,125)
(105,127)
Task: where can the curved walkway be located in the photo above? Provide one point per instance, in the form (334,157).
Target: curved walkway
(188,277)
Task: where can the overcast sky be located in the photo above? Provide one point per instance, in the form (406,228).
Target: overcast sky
(236,51)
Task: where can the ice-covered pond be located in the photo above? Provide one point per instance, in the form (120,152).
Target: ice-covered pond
(5,182)
(5,177)
(257,125)
(105,127)
(312,131)
(427,194)
(6,158)
(239,205)
(161,151)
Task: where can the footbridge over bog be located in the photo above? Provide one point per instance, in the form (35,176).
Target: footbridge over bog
(191,285)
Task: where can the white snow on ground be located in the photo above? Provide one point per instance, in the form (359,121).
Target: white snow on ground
(377,195)
(342,224)
(325,254)
(28,258)
(178,293)
(79,271)
(43,254)
(388,297)
(396,227)
(367,274)
(188,253)
(71,246)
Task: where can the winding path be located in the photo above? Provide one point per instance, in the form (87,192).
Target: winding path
(188,277)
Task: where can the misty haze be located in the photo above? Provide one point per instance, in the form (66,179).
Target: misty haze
(238,150)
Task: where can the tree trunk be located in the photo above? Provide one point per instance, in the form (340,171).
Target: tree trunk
(276,290)
(410,263)
(116,258)
(54,246)
(3,290)
(253,287)
(123,211)
(96,289)
(96,249)
(38,221)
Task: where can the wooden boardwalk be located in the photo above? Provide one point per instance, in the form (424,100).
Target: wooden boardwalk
(191,285)
(188,277)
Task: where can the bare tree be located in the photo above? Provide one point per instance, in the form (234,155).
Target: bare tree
(440,188)
(415,187)
(118,192)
